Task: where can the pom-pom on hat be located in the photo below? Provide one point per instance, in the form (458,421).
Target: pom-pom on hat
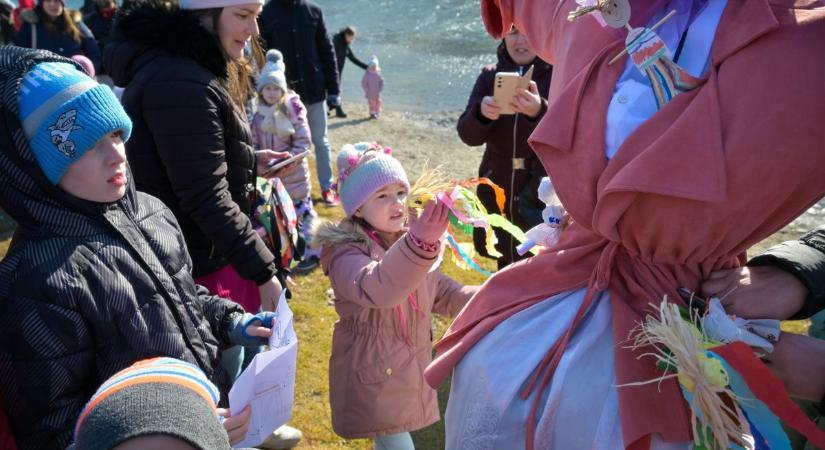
(207,4)
(364,168)
(273,71)
(64,113)
(86,63)
(154,396)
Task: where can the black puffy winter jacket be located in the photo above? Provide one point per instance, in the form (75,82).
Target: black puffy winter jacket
(298,30)
(190,145)
(87,289)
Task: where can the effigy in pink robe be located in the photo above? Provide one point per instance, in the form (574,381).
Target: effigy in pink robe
(716,170)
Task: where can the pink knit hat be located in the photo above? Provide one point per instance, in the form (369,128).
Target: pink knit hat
(206,4)
(364,168)
(87,64)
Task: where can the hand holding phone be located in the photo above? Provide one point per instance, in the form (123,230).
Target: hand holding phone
(279,164)
(504,89)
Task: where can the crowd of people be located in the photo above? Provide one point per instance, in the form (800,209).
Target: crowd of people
(140,282)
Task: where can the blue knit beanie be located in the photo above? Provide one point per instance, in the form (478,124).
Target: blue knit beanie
(364,168)
(64,113)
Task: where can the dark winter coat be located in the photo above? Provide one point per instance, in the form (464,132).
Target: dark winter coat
(297,29)
(190,145)
(505,139)
(100,26)
(87,289)
(344,52)
(804,259)
(62,44)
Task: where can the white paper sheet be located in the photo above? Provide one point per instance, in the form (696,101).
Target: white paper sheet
(268,384)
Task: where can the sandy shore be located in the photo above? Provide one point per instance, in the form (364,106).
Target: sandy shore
(419,139)
(415,138)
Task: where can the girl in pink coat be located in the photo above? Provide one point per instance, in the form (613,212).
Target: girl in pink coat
(373,84)
(280,122)
(384,271)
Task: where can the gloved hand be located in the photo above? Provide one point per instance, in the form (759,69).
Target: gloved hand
(252,330)
(431,224)
(333,100)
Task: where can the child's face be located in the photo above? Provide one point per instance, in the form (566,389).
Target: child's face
(271,94)
(385,210)
(100,174)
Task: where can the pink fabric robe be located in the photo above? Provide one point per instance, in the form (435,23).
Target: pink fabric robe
(715,171)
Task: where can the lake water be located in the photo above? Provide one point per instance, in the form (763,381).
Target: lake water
(430,52)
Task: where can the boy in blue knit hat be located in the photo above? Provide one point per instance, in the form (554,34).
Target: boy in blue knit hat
(97,275)
(65,114)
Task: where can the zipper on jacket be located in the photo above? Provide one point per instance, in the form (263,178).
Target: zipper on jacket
(513,173)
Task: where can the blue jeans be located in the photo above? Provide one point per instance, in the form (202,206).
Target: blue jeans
(236,358)
(317,118)
(400,441)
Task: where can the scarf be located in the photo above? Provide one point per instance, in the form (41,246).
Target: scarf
(275,122)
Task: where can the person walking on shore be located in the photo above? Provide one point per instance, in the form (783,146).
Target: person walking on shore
(342,41)
(298,30)
(373,84)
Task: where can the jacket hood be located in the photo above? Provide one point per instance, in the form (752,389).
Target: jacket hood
(345,232)
(145,30)
(25,192)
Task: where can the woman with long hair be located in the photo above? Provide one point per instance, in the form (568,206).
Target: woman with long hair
(53,27)
(187,81)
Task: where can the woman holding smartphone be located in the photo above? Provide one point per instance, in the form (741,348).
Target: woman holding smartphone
(508,161)
(187,81)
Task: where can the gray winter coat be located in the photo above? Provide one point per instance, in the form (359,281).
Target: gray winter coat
(86,289)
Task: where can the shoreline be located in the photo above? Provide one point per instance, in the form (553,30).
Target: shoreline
(416,138)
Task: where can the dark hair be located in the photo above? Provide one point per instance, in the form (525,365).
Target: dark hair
(349,30)
(63,24)
(238,80)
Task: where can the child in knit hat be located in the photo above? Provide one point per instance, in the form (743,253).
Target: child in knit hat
(97,275)
(158,403)
(373,84)
(382,261)
(280,124)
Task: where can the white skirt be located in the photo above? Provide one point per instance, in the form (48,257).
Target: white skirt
(579,409)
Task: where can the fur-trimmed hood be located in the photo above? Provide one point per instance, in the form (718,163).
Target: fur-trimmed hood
(330,234)
(144,30)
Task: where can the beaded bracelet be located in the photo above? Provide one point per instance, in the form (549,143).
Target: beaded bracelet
(426,246)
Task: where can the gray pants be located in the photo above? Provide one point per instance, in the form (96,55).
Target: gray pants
(317,118)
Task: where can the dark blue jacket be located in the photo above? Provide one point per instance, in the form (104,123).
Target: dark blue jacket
(61,44)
